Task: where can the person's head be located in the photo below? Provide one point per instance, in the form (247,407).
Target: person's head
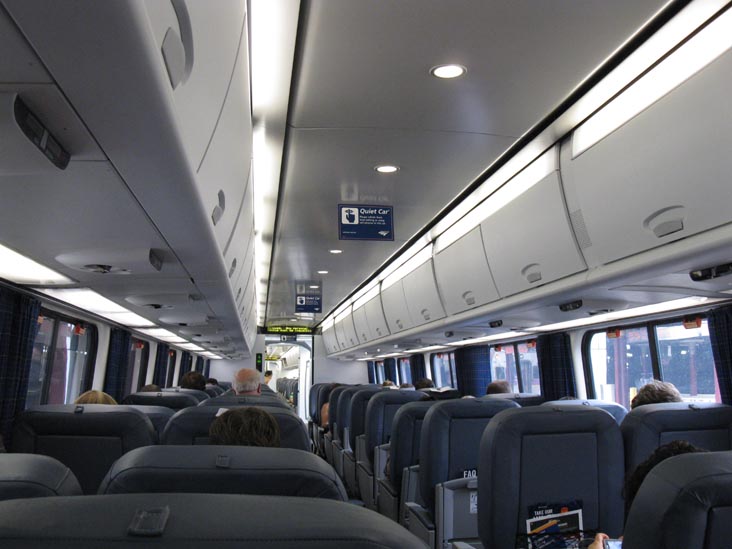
(424,383)
(498,387)
(94,397)
(249,426)
(246,382)
(152,388)
(634,480)
(212,381)
(406,386)
(325,414)
(267,375)
(388,383)
(193,380)
(656,392)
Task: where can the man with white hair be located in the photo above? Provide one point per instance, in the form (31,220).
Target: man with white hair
(247,382)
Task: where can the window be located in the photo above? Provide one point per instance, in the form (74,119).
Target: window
(380,372)
(405,371)
(170,369)
(62,366)
(443,369)
(516,363)
(623,360)
(137,365)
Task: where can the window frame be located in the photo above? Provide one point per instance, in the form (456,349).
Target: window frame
(91,330)
(452,367)
(649,326)
(517,362)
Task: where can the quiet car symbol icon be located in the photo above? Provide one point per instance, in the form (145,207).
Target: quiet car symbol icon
(350,215)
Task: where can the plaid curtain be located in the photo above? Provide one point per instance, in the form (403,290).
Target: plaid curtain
(207,369)
(161,363)
(171,369)
(720,336)
(555,366)
(199,364)
(372,371)
(186,364)
(473,369)
(18,329)
(117,363)
(416,363)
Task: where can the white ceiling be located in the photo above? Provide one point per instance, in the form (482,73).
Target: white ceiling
(363,95)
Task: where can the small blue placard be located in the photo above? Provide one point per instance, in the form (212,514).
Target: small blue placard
(308,304)
(360,222)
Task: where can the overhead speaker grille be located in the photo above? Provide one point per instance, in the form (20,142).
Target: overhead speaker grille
(580,229)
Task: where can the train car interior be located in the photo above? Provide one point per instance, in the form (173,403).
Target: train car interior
(348,273)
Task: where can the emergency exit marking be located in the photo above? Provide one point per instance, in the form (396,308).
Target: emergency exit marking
(364,222)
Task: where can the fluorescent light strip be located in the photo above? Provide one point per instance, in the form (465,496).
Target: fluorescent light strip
(406,256)
(343,314)
(426,349)
(419,259)
(368,296)
(190,347)
(368,289)
(131,320)
(485,339)
(656,308)
(515,187)
(390,355)
(328,323)
(22,270)
(690,58)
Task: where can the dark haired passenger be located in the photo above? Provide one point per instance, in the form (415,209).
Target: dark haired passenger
(212,381)
(498,387)
(423,383)
(656,392)
(250,426)
(151,388)
(634,480)
(193,380)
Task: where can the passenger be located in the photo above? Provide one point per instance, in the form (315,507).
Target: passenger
(498,387)
(267,377)
(388,383)
(424,383)
(246,382)
(656,392)
(325,416)
(250,426)
(406,386)
(193,380)
(152,388)
(212,381)
(94,397)
(634,480)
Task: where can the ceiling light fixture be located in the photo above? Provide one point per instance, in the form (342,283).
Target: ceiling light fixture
(448,71)
(336,252)
(322,272)
(387,168)
(21,270)
(314,286)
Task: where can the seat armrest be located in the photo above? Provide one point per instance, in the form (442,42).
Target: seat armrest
(361,448)
(421,523)
(346,442)
(409,491)
(381,458)
(456,510)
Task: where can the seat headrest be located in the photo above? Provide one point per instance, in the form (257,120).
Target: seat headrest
(208,521)
(223,470)
(405,437)
(524,399)
(175,401)
(616,410)
(33,476)
(224,401)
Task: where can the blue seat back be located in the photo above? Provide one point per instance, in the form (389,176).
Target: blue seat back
(616,410)
(380,412)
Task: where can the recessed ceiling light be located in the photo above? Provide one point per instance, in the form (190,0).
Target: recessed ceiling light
(322,272)
(448,71)
(336,251)
(387,168)
(314,287)
(293,320)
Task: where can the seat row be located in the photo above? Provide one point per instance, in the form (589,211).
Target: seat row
(434,453)
(89,438)
(177,398)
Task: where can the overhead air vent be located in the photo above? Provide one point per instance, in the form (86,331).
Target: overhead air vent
(710,273)
(114,262)
(98,268)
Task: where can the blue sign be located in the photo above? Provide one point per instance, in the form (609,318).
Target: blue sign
(308,304)
(358,222)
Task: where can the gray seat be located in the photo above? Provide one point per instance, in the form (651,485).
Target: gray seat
(34,476)
(449,453)
(549,455)
(402,479)
(215,521)
(523,399)
(359,402)
(685,501)
(331,437)
(159,415)
(380,412)
(616,410)
(223,470)
(200,395)
(86,438)
(174,401)
(190,427)
(647,427)
(214,390)
(226,401)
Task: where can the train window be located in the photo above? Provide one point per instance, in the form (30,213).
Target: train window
(516,363)
(137,365)
(170,370)
(405,370)
(685,359)
(623,360)
(443,369)
(380,377)
(62,366)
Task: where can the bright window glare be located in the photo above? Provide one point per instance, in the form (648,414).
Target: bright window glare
(21,270)
(91,301)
